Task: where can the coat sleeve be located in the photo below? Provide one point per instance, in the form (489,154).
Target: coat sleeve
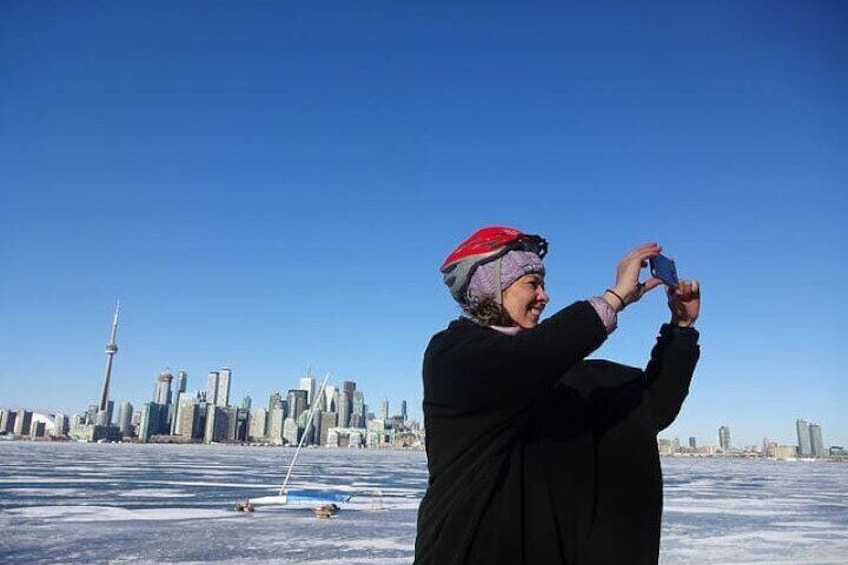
(669,372)
(487,370)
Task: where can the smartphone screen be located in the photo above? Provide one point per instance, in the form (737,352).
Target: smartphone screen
(664,269)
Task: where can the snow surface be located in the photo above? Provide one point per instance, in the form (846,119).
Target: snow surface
(100,503)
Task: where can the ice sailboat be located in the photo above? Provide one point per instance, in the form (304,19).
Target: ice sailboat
(298,497)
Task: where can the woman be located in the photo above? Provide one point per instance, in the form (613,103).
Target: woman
(535,454)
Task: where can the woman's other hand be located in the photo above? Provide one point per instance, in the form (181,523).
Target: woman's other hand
(684,303)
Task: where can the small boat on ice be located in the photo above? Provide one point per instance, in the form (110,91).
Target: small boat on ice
(326,500)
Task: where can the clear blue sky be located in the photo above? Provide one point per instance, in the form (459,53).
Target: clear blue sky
(272,186)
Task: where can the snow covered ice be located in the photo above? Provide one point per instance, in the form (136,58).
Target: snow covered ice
(97,503)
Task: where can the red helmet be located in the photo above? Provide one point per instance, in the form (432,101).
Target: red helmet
(484,245)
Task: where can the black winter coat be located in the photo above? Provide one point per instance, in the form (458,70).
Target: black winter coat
(538,456)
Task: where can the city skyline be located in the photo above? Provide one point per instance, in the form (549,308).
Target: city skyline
(274,186)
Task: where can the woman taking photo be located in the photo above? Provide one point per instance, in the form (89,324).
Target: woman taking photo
(535,454)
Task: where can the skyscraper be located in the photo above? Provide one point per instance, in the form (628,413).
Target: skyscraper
(162,394)
(816,442)
(724,438)
(307,383)
(111,349)
(125,413)
(692,442)
(385,412)
(802,428)
(224,377)
(212,388)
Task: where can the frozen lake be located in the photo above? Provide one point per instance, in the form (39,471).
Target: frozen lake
(96,503)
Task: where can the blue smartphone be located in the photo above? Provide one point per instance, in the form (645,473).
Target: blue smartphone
(664,269)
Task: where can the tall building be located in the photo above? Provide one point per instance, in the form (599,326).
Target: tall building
(385,411)
(111,349)
(357,416)
(162,394)
(724,438)
(816,442)
(224,378)
(296,403)
(180,384)
(307,383)
(802,428)
(330,398)
(349,387)
(403,410)
(258,424)
(125,414)
(275,401)
(692,442)
(343,409)
(212,388)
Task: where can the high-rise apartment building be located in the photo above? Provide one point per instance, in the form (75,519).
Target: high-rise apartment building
(357,416)
(344,405)
(258,424)
(403,410)
(224,377)
(212,388)
(816,442)
(162,393)
(384,413)
(692,443)
(296,403)
(307,384)
(802,428)
(125,414)
(724,438)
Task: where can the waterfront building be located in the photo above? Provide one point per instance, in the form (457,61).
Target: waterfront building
(291,433)
(385,412)
(258,425)
(802,429)
(7,421)
(724,438)
(180,384)
(275,425)
(816,442)
(357,419)
(23,423)
(61,425)
(330,399)
(403,413)
(162,393)
(224,380)
(326,420)
(296,403)
(692,443)
(274,401)
(188,425)
(212,387)
(125,413)
(151,419)
(307,384)
(344,409)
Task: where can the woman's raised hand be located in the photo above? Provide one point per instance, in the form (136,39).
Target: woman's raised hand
(628,289)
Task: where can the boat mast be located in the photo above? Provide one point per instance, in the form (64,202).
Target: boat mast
(305,432)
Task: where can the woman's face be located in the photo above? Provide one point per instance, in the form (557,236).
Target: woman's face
(525,299)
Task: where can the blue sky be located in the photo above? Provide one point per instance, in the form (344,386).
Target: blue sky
(273,186)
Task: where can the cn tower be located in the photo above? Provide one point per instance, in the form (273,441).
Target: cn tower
(111,349)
